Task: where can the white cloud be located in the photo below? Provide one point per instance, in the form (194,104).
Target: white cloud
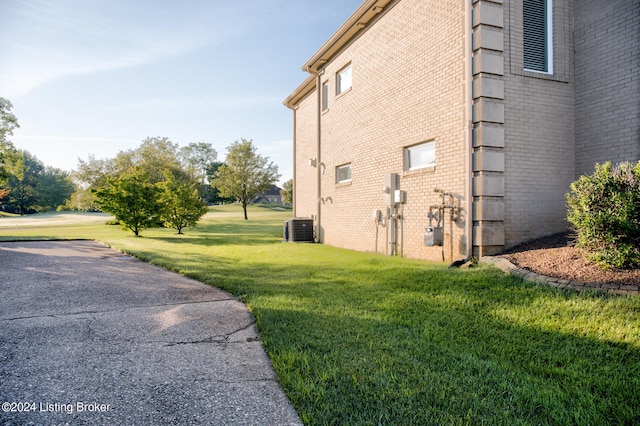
(43,41)
(224,101)
(72,139)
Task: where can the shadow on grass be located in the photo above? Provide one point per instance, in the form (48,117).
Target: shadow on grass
(421,344)
(438,353)
(361,338)
(341,369)
(248,233)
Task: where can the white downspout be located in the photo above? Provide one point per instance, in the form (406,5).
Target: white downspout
(468,48)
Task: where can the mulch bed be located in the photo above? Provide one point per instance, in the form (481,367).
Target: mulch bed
(556,256)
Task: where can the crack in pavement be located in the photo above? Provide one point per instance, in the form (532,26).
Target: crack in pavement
(234,382)
(70,338)
(220,338)
(68,314)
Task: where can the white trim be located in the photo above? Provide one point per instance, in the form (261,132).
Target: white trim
(325,95)
(550,36)
(429,146)
(343,167)
(340,76)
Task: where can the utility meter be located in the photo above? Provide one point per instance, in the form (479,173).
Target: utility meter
(433,236)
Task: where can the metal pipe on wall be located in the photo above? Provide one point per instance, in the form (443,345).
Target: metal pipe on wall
(318,159)
(293,192)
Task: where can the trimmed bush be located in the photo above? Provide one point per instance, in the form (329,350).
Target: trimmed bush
(605,210)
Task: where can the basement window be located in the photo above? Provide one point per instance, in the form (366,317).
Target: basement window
(420,156)
(537,35)
(343,173)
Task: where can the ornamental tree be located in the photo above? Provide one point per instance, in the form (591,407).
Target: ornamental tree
(245,173)
(181,203)
(132,199)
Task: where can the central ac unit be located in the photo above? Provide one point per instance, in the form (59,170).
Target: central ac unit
(299,230)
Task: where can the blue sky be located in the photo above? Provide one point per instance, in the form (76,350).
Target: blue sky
(99,76)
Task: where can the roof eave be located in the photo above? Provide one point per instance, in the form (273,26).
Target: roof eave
(355,24)
(307,86)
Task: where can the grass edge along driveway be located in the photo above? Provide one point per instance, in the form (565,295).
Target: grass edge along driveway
(360,338)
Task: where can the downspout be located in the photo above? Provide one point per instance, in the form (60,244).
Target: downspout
(318,159)
(468,70)
(293,189)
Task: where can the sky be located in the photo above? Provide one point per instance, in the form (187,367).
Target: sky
(98,77)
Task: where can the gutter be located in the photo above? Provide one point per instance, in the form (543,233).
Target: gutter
(306,87)
(360,18)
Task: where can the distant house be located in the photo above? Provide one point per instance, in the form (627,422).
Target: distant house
(272,196)
(442,129)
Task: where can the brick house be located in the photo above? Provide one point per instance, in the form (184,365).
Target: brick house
(441,129)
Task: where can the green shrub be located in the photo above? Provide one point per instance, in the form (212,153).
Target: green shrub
(605,210)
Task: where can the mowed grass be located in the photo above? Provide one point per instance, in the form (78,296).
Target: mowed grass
(361,338)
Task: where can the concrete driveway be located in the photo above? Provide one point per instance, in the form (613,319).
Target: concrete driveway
(91,336)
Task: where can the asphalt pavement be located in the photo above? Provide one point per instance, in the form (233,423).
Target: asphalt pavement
(92,336)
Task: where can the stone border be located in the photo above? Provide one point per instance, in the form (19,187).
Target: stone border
(510,268)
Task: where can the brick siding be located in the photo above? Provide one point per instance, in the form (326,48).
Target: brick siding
(607,75)
(408,88)
(533,133)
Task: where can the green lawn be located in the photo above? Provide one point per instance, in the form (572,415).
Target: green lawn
(360,338)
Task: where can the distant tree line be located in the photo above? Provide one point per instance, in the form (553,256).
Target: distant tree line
(26,184)
(32,187)
(156,183)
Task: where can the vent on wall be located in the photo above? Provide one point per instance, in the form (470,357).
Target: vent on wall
(298,230)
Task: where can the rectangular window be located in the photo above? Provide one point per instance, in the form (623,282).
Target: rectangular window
(325,96)
(537,40)
(343,80)
(420,156)
(343,173)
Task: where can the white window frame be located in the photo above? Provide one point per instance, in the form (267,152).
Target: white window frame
(344,79)
(420,156)
(343,179)
(325,96)
(548,39)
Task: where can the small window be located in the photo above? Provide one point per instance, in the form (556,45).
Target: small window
(537,35)
(343,80)
(325,96)
(420,156)
(343,173)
